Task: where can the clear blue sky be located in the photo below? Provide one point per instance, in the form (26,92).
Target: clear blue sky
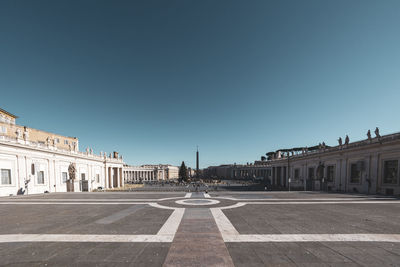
(153,79)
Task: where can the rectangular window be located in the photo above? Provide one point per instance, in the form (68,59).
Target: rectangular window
(98,178)
(40,177)
(330,173)
(83,177)
(311,173)
(390,171)
(5,176)
(355,173)
(65,142)
(296,174)
(57,140)
(3,129)
(64,177)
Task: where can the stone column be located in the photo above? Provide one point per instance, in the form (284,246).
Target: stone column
(117,174)
(121,179)
(105,177)
(110,182)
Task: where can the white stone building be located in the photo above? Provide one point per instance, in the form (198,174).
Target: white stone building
(32,166)
(148,173)
(367,166)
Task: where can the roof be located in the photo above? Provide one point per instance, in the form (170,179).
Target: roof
(8,113)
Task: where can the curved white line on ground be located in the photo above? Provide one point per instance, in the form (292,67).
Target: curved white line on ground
(204,202)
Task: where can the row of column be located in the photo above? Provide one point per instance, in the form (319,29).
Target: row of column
(251,173)
(114,177)
(136,175)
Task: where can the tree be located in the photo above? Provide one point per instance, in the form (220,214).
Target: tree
(183,172)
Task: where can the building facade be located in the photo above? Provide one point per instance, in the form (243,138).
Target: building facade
(368,166)
(26,135)
(149,173)
(34,161)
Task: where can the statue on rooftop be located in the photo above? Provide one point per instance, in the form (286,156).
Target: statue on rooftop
(347,140)
(18,133)
(340,141)
(377,133)
(26,134)
(369,135)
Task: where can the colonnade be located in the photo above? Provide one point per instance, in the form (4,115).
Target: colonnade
(251,173)
(140,175)
(114,177)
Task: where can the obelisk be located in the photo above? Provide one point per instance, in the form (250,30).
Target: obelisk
(197,163)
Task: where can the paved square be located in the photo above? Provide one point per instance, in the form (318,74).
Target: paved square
(198,229)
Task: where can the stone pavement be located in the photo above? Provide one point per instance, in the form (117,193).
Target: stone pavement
(198,229)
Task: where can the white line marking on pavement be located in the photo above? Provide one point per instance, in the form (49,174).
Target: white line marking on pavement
(323,202)
(73,203)
(165,234)
(306,199)
(224,225)
(171,225)
(87,200)
(83,238)
(169,198)
(197,202)
(206,195)
(188,195)
(156,205)
(230,234)
(314,238)
(237,205)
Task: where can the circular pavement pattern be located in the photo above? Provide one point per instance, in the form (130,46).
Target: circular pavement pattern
(193,203)
(197,202)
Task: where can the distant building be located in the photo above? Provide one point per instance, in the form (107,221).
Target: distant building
(145,173)
(35,161)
